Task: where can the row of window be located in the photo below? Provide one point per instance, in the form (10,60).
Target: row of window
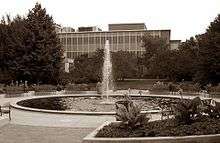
(100,40)
(113,47)
(73,55)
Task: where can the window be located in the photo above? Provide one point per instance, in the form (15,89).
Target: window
(64,41)
(103,40)
(115,39)
(120,39)
(68,41)
(126,39)
(97,40)
(74,41)
(80,41)
(86,40)
(91,40)
(133,39)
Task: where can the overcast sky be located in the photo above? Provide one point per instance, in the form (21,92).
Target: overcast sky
(185,18)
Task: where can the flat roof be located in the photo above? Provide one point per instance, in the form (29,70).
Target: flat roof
(115,31)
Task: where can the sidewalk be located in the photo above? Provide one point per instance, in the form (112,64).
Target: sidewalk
(11,133)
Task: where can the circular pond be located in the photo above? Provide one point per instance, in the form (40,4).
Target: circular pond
(88,104)
(76,110)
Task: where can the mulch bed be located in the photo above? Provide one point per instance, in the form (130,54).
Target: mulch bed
(167,127)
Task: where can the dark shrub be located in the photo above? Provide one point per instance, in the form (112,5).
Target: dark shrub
(186,111)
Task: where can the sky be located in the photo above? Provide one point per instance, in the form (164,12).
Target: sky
(185,18)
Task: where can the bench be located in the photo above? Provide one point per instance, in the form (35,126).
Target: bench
(5,109)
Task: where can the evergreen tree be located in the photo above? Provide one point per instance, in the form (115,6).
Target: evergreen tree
(43,54)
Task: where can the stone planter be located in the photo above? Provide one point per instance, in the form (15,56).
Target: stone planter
(214,138)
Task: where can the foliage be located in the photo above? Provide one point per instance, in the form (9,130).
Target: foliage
(208,54)
(124,65)
(190,87)
(215,88)
(160,86)
(196,59)
(80,87)
(164,128)
(12,39)
(29,48)
(212,108)
(156,49)
(14,89)
(43,58)
(88,69)
(193,116)
(187,111)
(130,114)
(44,88)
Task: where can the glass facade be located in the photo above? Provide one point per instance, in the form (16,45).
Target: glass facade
(79,43)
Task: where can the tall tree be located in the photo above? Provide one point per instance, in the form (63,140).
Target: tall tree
(11,44)
(208,54)
(155,47)
(42,57)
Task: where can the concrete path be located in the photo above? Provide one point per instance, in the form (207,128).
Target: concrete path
(11,133)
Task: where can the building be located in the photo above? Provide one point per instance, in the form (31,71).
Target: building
(90,28)
(58,28)
(67,30)
(174,44)
(125,37)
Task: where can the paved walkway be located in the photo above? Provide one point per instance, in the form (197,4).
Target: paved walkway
(12,133)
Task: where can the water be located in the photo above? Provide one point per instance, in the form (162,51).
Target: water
(107,78)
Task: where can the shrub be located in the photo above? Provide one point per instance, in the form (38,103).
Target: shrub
(186,111)
(212,108)
(80,87)
(159,86)
(44,88)
(215,88)
(14,89)
(130,114)
(190,87)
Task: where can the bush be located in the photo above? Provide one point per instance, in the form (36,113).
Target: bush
(215,88)
(44,88)
(130,114)
(212,108)
(190,87)
(160,86)
(14,89)
(187,111)
(80,87)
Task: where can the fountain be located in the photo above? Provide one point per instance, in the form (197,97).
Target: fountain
(107,79)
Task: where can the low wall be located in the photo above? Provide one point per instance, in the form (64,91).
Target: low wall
(183,139)
(25,117)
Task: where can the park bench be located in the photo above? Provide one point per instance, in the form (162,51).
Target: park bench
(5,109)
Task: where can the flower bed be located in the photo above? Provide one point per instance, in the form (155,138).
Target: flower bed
(162,128)
(193,118)
(92,137)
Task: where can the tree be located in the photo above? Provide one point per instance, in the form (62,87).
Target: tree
(208,54)
(186,60)
(124,65)
(88,69)
(42,56)
(154,57)
(12,37)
